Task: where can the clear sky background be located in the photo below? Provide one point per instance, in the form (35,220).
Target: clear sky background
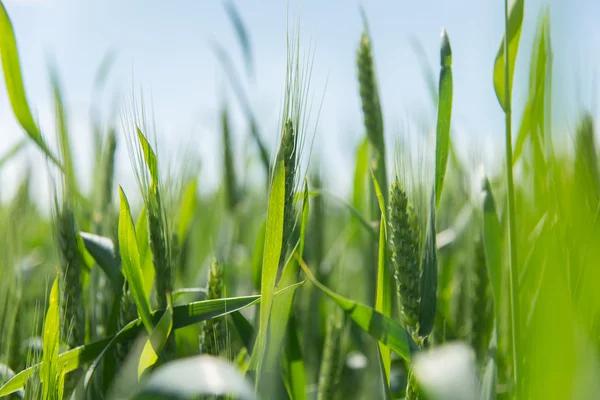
(165,48)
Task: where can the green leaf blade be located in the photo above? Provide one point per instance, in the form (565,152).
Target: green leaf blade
(514,25)
(11,67)
(130,259)
(271,254)
(383,293)
(143,241)
(157,340)
(51,371)
(442,143)
(150,158)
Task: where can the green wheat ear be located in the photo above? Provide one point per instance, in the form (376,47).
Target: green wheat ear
(213,335)
(73,313)
(146,168)
(289,144)
(369,94)
(404,243)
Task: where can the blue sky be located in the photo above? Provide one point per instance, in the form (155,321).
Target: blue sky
(165,47)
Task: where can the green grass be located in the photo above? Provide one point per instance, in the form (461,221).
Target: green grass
(290,292)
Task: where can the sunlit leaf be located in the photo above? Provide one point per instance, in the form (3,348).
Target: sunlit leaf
(14,83)
(271,255)
(130,259)
(513,32)
(442,141)
(157,339)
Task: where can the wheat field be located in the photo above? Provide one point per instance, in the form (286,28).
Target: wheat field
(431,280)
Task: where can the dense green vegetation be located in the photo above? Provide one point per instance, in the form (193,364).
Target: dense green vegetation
(414,287)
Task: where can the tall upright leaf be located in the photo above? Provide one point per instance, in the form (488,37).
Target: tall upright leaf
(51,371)
(513,33)
(503,80)
(442,142)
(383,297)
(130,259)
(281,318)
(271,254)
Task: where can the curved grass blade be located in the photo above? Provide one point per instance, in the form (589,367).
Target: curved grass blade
(377,325)
(514,25)
(157,339)
(183,316)
(196,377)
(103,251)
(150,158)
(271,254)
(442,142)
(51,371)
(130,258)
(429,276)
(14,84)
